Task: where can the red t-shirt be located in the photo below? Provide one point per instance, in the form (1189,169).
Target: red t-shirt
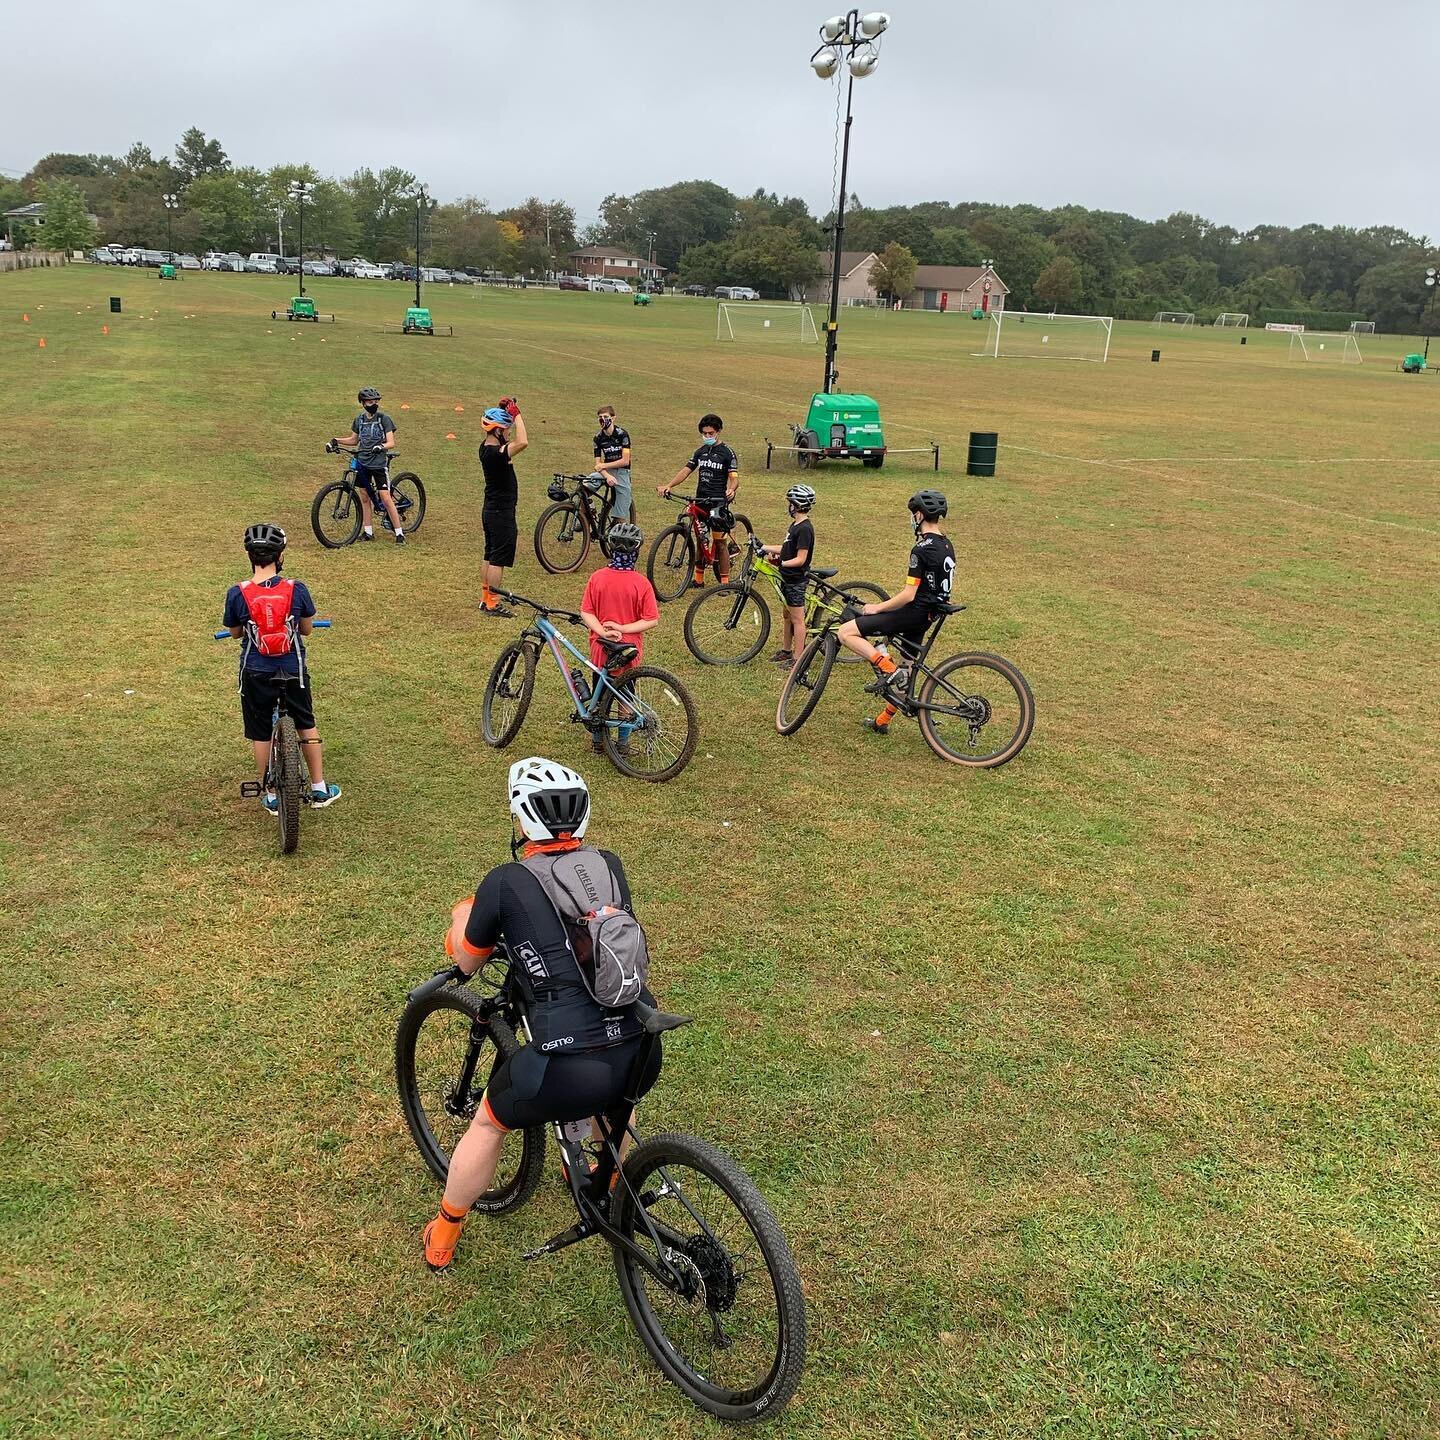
(623,596)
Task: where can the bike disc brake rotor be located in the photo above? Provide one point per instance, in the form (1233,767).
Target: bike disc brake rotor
(715,1271)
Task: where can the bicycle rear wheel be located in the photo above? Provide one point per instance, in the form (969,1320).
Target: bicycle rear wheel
(445,1055)
(730,1333)
(285,765)
(727,626)
(976,710)
(805,684)
(508,694)
(562,538)
(865,593)
(335,514)
(408,493)
(658,729)
(672,562)
(738,538)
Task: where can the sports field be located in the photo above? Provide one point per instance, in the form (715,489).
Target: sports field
(1097,1095)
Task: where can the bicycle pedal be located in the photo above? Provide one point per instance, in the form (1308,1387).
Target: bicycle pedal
(251,789)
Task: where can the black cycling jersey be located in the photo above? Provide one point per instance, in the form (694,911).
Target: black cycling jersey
(562,1016)
(612,446)
(932,565)
(502,488)
(800,536)
(714,464)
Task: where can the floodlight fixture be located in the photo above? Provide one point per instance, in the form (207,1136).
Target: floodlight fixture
(863,61)
(876,23)
(832,29)
(825,61)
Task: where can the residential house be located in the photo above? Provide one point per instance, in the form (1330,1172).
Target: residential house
(855,286)
(613,263)
(963,288)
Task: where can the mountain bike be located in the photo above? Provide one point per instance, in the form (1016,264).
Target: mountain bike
(973,709)
(708,1280)
(730,624)
(564,531)
(643,716)
(336,514)
(671,564)
(286,774)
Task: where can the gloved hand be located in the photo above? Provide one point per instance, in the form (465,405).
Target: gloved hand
(459,918)
(510,405)
(331,447)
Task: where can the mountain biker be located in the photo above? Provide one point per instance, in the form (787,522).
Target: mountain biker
(795,557)
(612,452)
(263,677)
(905,616)
(579,1056)
(372,433)
(502,495)
(715,487)
(619,603)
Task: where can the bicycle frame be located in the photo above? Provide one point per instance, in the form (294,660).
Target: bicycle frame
(587,709)
(818,595)
(595,511)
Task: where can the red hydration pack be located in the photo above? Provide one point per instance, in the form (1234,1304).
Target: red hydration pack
(271,629)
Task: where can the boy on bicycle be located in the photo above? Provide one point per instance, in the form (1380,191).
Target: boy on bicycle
(619,603)
(502,495)
(271,614)
(612,463)
(717,481)
(794,557)
(581,1055)
(905,616)
(372,433)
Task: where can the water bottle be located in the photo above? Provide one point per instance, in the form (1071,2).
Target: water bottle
(579,681)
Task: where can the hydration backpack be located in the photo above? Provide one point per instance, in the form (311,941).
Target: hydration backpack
(607,940)
(271,628)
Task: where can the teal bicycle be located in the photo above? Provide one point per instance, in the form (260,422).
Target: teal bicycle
(642,716)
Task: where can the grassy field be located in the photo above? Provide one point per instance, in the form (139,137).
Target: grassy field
(1097,1095)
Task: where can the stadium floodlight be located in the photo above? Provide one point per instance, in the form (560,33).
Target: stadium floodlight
(864,61)
(877,22)
(172,202)
(825,61)
(832,29)
(300,192)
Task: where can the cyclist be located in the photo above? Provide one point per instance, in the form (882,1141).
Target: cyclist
(372,432)
(906,615)
(612,456)
(715,487)
(619,602)
(502,495)
(795,557)
(272,658)
(580,1055)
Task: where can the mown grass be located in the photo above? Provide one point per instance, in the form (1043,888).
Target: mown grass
(1097,1094)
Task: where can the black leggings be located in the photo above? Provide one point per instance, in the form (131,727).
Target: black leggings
(531,1088)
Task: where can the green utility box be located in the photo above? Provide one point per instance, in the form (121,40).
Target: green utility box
(1413,364)
(167,272)
(641,298)
(301,307)
(840,427)
(977,313)
(418,321)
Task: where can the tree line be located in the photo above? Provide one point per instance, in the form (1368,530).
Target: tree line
(1066,258)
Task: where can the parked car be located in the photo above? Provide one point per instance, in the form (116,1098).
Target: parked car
(364,270)
(287,265)
(212,260)
(343,267)
(461,278)
(261,265)
(431,276)
(693,290)
(266,255)
(736,292)
(187,262)
(399,270)
(103,257)
(609,285)
(574,282)
(318,267)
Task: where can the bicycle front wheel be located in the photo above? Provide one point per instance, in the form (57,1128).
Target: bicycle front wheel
(672,562)
(976,710)
(727,626)
(805,683)
(507,695)
(335,514)
(286,765)
(408,493)
(562,538)
(655,726)
(445,1054)
(729,1329)
(862,592)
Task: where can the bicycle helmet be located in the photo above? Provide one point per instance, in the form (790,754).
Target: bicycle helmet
(802,497)
(497,419)
(368,393)
(722,517)
(929,503)
(265,536)
(624,536)
(548,800)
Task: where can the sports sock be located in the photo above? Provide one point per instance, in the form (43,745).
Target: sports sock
(369,529)
(486,598)
(883,719)
(441,1236)
(884,664)
(399,533)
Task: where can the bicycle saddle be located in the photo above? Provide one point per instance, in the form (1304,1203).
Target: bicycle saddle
(950,609)
(656,1022)
(618,652)
(822,573)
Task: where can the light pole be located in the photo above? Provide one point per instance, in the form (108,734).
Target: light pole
(172,203)
(300,191)
(850,38)
(1432,281)
(419,205)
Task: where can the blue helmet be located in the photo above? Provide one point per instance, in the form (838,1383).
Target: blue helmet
(497,417)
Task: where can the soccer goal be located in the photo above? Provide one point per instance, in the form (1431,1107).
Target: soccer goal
(1340,349)
(1362,327)
(1235,318)
(1021,335)
(1183,318)
(748,320)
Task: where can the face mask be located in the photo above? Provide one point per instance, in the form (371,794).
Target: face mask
(370,409)
(710,439)
(607,422)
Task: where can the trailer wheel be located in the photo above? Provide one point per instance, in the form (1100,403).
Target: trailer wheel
(872,462)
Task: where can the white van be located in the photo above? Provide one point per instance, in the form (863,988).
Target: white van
(609,285)
(736,292)
(264,264)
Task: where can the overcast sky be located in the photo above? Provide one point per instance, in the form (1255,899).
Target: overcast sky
(1267,111)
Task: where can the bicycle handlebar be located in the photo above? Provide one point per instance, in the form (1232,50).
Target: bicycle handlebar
(535,605)
(318,625)
(437,982)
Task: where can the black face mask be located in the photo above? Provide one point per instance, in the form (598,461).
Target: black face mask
(371,409)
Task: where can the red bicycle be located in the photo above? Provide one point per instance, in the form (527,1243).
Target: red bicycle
(699,531)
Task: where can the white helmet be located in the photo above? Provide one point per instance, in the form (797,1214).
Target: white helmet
(548,799)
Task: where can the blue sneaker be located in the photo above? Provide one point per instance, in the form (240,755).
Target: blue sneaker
(322,796)
(271,803)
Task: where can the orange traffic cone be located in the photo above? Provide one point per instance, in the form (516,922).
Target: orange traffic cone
(25,318)
(459,409)
(405,407)
(42,342)
(451,435)
(104,329)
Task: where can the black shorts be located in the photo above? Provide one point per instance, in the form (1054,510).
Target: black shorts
(901,624)
(793,592)
(531,1088)
(373,480)
(258,693)
(501,532)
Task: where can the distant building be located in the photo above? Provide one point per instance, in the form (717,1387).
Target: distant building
(962,285)
(613,263)
(855,286)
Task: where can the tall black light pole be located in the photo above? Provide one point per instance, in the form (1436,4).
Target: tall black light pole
(300,192)
(419,205)
(849,38)
(1431,279)
(172,204)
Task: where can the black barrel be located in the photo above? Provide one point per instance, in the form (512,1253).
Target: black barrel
(1155,357)
(114,304)
(1242,339)
(983,447)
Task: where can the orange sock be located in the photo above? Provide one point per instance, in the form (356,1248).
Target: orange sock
(883,719)
(487,598)
(442,1234)
(884,664)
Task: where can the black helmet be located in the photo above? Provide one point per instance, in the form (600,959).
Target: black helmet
(265,536)
(367,394)
(802,497)
(930,503)
(624,536)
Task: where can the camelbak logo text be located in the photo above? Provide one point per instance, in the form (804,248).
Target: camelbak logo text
(591,892)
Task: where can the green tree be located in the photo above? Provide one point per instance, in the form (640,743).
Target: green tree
(1059,283)
(776,258)
(893,271)
(196,156)
(226,210)
(67,224)
(1395,297)
(708,263)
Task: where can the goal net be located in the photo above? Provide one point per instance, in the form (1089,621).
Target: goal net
(1362,327)
(1020,335)
(1175,317)
(1340,349)
(1232,317)
(750,320)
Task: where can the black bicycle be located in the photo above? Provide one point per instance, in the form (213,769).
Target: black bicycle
(336,514)
(973,709)
(708,1280)
(565,530)
(701,529)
